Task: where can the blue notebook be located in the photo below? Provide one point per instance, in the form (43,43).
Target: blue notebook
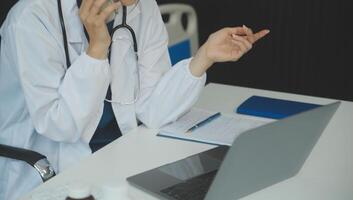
(272,108)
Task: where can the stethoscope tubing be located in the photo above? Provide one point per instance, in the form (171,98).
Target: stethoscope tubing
(122,25)
(125,25)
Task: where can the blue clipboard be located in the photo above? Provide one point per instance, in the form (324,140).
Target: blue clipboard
(272,108)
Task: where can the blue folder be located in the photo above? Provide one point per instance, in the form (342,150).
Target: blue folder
(272,108)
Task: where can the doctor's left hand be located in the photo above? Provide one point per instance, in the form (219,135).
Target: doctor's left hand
(227,44)
(94,15)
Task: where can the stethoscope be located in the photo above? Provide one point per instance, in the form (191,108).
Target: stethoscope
(121,26)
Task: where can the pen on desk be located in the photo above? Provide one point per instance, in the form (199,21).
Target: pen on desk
(207,120)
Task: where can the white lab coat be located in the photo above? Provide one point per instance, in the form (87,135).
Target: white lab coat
(54,110)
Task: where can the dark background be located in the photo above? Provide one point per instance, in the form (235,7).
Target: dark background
(309,50)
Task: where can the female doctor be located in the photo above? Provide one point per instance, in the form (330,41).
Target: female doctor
(56,104)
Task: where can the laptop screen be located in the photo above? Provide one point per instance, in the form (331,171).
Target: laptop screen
(195,165)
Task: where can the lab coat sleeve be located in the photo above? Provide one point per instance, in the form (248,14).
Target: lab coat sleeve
(166,93)
(62,103)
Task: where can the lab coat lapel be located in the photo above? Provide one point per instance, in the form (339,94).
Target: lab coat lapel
(132,12)
(74,29)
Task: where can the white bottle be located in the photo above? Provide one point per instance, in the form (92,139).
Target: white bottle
(80,191)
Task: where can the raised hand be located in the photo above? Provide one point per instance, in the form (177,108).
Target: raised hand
(94,14)
(227,44)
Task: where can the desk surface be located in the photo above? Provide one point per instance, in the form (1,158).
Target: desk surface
(327,173)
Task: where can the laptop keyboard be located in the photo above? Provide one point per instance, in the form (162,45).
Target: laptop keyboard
(192,189)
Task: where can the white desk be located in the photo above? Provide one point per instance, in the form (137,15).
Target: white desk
(327,174)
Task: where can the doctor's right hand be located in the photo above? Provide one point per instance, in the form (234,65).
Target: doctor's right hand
(94,15)
(227,44)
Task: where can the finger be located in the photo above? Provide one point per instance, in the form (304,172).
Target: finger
(233,47)
(239,46)
(236,31)
(106,13)
(244,41)
(248,30)
(249,34)
(96,7)
(230,52)
(260,35)
(85,7)
(235,53)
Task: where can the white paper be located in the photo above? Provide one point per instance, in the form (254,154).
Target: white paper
(188,120)
(222,130)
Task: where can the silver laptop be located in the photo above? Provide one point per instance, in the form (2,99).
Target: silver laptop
(257,159)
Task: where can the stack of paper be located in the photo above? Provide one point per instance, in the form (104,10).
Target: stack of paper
(220,131)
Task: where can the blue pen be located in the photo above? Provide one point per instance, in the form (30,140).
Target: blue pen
(209,119)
